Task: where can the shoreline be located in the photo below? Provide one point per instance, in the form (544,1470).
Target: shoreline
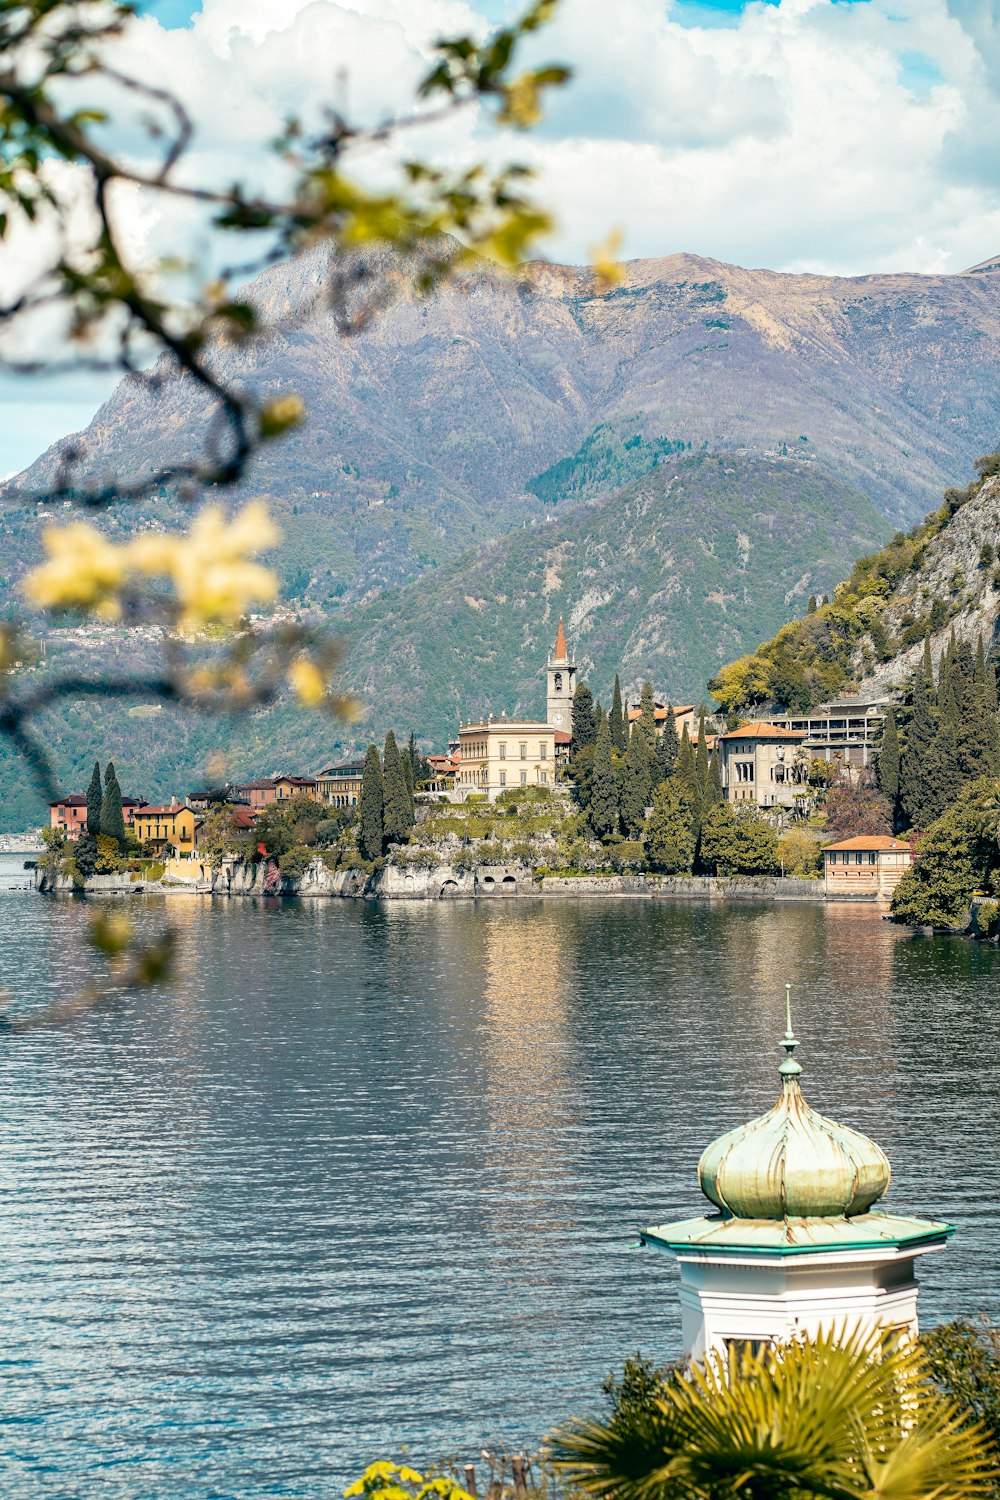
(446,883)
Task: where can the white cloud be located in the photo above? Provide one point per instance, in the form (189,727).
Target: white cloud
(807,135)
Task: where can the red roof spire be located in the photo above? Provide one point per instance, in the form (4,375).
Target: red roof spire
(561,653)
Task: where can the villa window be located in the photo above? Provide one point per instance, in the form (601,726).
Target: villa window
(503,778)
(543,751)
(503,750)
(524,752)
(524,778)
(544,778)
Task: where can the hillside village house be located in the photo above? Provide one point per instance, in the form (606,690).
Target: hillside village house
(169,829)
(868,867)
(340,786)
(498,755)
(69,814)
(847,730)
(764,765)
(684,714)
(268,789)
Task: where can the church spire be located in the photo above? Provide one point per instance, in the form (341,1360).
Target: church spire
(562,651)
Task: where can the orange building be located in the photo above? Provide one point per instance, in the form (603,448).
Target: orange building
(870,866)
(69,815)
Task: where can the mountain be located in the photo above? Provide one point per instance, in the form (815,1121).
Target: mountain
(674,463)
(941,577)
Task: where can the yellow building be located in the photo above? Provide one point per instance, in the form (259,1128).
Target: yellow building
(500,755)
(169,828)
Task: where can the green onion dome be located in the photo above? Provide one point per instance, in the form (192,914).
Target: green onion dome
(793,1163)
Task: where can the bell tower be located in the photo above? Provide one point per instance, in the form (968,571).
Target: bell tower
(560,675)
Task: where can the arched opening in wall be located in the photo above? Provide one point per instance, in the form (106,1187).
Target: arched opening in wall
(488,884)
(450,888)
(557,683)
(509,884)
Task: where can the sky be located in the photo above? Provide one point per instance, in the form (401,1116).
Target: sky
(838,136)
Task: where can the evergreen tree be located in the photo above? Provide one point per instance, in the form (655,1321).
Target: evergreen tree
(617,719)
(582,720)
(685,772)
(889,765)
(919,737)
(987,678)
(701,764)
(634,786)
(407,764)
(95,799)
(811,606)
(603,810)
(669,747)
(941,773)
(928,665)
(716,794)
(112,816)
(397,807)
(647,714)
(716,838)
(670,837)
(600,717)
(371,806)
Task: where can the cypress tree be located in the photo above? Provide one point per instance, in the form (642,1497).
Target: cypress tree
(407,765)
(582,718)
(617,719)
(716,794)
(600,717)
(685,772)
(647,714)
(928,666)
(701,763)
(919,737)
(603,811)
(669,747)
(987,677)
(371,806)
(634,787)
(941,775)
(889,765)
(95,798)
(112,816)
(397,809)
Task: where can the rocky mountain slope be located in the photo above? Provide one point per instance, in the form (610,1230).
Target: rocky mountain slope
(674,464)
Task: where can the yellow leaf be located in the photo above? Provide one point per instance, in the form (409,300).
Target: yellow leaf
(307,681)
(604,260)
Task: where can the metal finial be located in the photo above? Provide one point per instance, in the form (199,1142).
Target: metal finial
(789,1069)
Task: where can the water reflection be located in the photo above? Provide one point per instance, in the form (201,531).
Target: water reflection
(368,1176)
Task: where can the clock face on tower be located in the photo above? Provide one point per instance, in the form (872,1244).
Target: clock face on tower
(557,718)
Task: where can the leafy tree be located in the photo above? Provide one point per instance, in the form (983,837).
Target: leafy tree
(95,800)
(670,831)
(889,765)
(634,788)
(958,854)
(397,809)
(854,808)
(617,718)
(582,718)
(717,830)
(963,1359)
(112,816)
(603,809)
(371,806)
(799,853)
(86,854)
(738,842)
(852,1418)
(669,748)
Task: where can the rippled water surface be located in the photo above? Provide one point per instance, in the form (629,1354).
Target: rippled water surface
(369,1176)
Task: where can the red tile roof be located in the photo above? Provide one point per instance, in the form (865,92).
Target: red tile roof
(660,712)
(162,812)
(758,730)
(75,799)
(560,737)
(869,841)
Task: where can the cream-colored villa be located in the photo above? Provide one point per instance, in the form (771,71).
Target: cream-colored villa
(498,755)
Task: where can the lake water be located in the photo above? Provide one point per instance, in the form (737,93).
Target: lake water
(369,1176)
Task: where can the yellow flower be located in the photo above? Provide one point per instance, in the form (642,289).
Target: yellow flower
(604,260)
(307,681)
(213,578)
(84,569)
